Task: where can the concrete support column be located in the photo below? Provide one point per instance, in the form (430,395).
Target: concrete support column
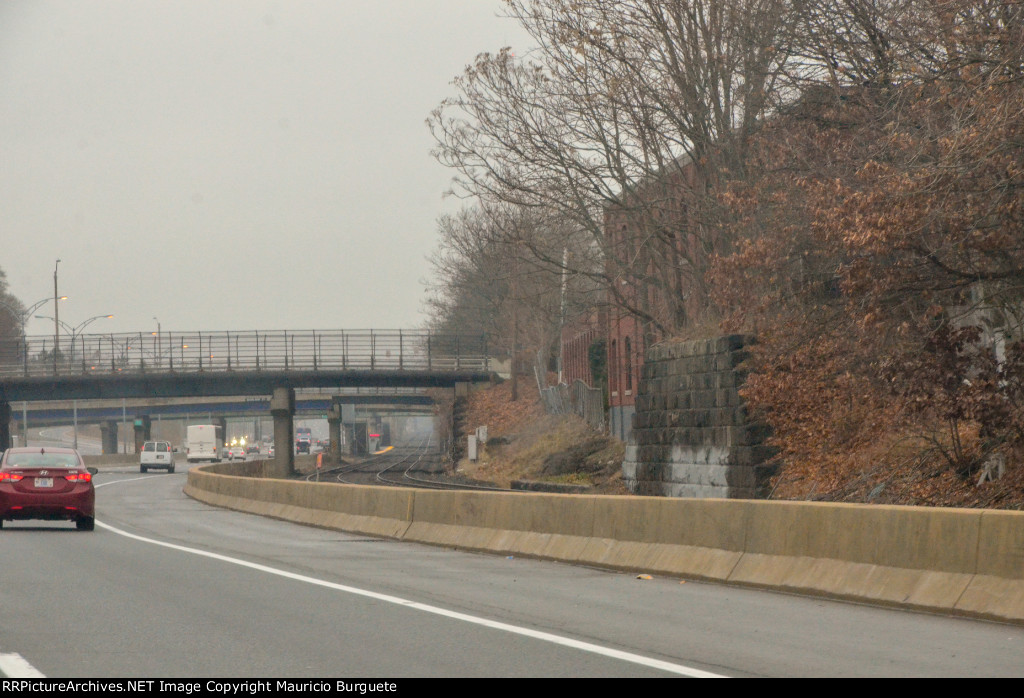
(5,426)
(143,428)
(350,439)
(222,422)
(360,439)
(108,436)
(334,432)
(282,407)
(348,420)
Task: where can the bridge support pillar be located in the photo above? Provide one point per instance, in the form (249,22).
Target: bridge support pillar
(334,432)
(143,429)
(360,440)
(348,421)
(350,438)
(5,426)
(282,407)
(108,436)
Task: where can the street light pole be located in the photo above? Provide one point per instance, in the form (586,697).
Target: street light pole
(56,321)
(75,332)
(22,317)
(159,358)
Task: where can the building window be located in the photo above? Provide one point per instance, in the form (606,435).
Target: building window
(613,374)
(628,351)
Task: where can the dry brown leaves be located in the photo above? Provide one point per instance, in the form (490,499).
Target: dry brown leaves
(898,468)
(531,436)
(494,408)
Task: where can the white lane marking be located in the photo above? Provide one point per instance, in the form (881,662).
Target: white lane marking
(116,482)
(436,610)
(14,666)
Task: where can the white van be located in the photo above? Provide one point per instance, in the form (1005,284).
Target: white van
(203,442)
(156,454)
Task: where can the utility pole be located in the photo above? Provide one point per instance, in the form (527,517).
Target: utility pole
(515,324)
(561,313)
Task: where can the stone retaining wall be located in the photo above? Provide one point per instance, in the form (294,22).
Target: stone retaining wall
(691,433)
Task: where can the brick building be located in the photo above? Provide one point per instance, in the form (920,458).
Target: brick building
(626,346)
(651,259)
(579,337)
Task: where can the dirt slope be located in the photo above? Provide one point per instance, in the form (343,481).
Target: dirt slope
(525,443)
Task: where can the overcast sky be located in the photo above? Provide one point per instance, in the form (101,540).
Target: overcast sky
(228,165)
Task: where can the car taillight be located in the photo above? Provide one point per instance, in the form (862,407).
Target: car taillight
(10,477)
(78,477)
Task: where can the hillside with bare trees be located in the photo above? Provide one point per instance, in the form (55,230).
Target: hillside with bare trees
(841,178)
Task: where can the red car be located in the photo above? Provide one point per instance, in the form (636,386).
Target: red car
(47,483)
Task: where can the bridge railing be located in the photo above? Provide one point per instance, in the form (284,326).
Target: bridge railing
(274,350)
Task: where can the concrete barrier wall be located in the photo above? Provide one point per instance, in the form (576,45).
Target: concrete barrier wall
(111,459)
(961,561)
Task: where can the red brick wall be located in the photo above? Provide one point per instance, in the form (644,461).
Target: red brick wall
(577,336)
(625,357)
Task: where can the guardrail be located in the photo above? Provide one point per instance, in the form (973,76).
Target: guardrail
(275,350)
(959,561)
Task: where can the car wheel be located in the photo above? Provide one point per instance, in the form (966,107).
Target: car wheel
(86,523)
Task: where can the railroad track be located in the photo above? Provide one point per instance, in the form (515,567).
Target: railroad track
(396,468)
(389,476)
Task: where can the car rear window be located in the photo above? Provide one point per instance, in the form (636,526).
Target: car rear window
(163,447)
(149,446)
(32,460)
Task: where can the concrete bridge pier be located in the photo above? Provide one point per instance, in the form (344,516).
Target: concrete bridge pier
(350,438)
(143,430)
(222,422)
(108,436)
(360,438)
(334,432)
(348,422)
(282,407)
(5,426)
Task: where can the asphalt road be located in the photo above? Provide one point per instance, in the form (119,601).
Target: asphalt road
(169,587)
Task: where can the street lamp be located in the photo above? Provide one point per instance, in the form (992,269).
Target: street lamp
(22,317)
(76,330)
(159,358)
(56,322)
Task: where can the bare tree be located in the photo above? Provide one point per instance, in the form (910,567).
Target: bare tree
(503,270)
(629,108)
(885,268)
(11,313)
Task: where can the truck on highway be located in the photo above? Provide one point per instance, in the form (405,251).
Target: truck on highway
(303,440)
(203,442)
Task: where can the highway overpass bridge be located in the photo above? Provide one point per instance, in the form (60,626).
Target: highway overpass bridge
(46,414)
(238,364)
